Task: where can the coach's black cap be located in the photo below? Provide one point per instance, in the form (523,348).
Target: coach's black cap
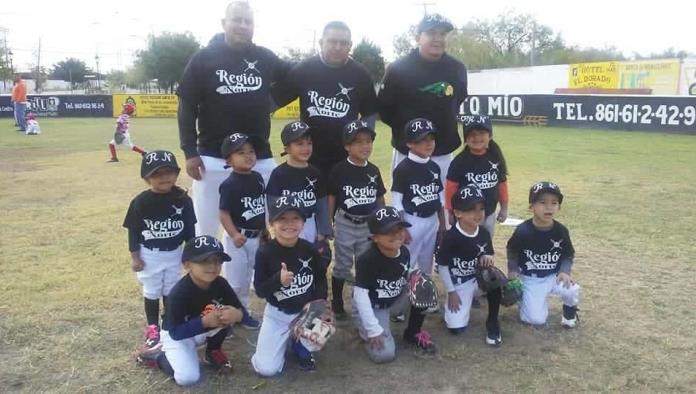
(540,188)
(153,161)
(466,197)
(416,129)
(432,21)
(282,204)
(384,220)
(353,128)
(200,248)
(479,122)
(294,131)
(235,141)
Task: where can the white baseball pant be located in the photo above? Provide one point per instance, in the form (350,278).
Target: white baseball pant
(466,292)
(273,340)
(161,272)
(126,141)
(388,351)
(240,270)
(206,192)
(423,237)
(183,357)
(534,307)
(309,232)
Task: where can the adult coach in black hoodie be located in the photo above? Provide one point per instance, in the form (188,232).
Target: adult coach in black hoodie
(334,90)
(225,89)
(426,83)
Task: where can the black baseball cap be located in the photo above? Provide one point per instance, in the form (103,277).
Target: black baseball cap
(384,220)
(417,129)
(471,122)
(540,188)
(294,131)
(235,141)
(282,204)
(466,197)
(432,21)
(352,129)
(200,248)
(156,159)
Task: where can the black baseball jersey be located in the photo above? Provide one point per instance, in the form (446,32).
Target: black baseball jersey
(244,197)
(309,281)
(187,304)
(356,188)
(539,252)
(460,253)
(420,184)
(161,220)
(330,97)
(231,88)
(481,170)
(305,183)
(415,88)
(384,277)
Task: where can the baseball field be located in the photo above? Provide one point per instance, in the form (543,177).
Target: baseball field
(71,310)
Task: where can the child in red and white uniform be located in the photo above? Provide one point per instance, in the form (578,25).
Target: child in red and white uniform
(121,135)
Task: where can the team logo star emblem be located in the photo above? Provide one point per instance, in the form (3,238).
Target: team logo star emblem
(482,248)
(344,90)
(250,66)
(177,210)
(556,244)
(305,263)
(436,176)
(404,266)
(311,182)
(373,179)
(494,166)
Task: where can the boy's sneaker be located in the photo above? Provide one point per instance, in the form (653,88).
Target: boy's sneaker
(307,364)
(113,160)
(250,323)
(493,337)
(570,316)
(147,358)
(217,359)
(398,318)
(493,340)
(152,337)
(422,341)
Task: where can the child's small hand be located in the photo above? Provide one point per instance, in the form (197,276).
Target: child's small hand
(137,264)
(230,315)
(212,320)
(502,215)
(377,342)
(486,261)
(285,275)
(453,301)
(239,240)
(566,279)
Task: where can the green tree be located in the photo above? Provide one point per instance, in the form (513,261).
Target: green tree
(39,75)
(71,70)
(296,55)
(116,79)
(370,56)
(166,57)
(403,43)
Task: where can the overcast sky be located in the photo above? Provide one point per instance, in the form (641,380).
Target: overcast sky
(84,28)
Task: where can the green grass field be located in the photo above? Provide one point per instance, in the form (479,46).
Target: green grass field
(71,309)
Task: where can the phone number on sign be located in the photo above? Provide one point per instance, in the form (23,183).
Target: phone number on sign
(665,115)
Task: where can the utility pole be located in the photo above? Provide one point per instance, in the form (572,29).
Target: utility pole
(425,6)
(38,69)
(4,31)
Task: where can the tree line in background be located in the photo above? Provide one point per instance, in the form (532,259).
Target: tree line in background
(509,40)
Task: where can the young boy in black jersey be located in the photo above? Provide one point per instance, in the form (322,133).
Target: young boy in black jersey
(541,253)
(381,289)
(466,246)
(242,214)
(355,191)
(201,309)
(159,221)
(300,178)
(288,275)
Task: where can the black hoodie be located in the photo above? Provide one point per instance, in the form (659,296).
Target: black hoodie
(227,90)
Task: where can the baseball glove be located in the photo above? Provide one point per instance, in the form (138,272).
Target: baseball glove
(314,325)
(490,278)
(512,292)
(324,251)
(119,137)
(422,290)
